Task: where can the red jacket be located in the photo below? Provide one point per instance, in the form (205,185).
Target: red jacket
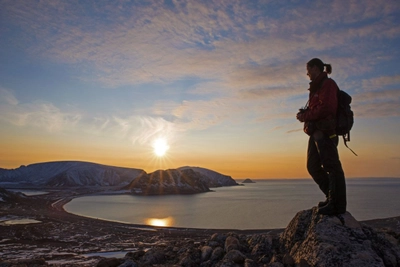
(322,104)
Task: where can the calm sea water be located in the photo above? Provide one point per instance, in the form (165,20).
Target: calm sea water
(266,204)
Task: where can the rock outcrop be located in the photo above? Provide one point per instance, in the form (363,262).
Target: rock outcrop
(316,240)
(167,182)
(309,240)
(248,181)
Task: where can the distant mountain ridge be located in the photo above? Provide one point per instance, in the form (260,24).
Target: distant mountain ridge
(61,174)
(70,173)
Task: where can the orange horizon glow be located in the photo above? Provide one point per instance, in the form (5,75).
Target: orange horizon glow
(261,161)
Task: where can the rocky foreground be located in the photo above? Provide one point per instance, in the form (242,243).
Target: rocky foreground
(310,239)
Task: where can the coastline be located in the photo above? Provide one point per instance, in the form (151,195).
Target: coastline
(70,238)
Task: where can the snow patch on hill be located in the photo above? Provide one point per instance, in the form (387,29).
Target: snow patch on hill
(76,173)
(70,173)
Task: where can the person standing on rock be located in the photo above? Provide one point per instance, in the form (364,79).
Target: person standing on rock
(319,118)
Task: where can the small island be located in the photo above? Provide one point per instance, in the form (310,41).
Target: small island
(248,181)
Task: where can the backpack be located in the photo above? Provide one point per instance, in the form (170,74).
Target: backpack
(344,117)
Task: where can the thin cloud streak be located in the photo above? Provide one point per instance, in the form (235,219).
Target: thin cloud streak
(41,115)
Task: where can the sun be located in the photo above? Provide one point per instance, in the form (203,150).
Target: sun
(160,147)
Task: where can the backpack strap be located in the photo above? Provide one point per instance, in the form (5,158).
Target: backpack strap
(316,91)
(346,138)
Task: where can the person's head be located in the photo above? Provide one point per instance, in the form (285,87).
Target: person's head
(315,66)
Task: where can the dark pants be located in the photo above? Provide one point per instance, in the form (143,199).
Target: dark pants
(325,168)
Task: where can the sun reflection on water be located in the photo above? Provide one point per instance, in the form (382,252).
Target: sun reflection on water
(164,222)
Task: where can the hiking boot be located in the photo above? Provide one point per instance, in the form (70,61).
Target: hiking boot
(340,210)
(323,203)
(328,209)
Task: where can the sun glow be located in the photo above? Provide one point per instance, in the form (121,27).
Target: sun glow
(160,147)
(160,222)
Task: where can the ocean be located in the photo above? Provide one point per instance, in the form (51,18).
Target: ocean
(265,204)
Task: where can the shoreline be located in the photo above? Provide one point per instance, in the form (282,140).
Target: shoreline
(259,227)
(59,204)
(69,238)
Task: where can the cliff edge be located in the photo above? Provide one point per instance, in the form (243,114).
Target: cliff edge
(312,239)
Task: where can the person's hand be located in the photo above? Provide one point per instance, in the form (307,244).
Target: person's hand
(300,116)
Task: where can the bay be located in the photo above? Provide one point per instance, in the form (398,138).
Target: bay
(266,204)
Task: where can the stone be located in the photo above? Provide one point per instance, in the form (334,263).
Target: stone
(234,256)
(217,254)
(187,261)
(219,238)
(231,243)
(333,241)
(153,256)
(261,245)
(206,252)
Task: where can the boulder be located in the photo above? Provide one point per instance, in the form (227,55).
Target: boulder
(231,243)
(206,252)
(319,240)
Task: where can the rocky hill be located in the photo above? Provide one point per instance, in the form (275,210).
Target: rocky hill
(65,174)
(212,178)
(170,181)
(69,173)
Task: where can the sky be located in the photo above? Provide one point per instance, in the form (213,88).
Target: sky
(218,82)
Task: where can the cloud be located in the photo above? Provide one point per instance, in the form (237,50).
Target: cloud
(383,103)
(7,97)
(137,129)
(378,97)
(159,43)
(248,58)
(376,83)
(38,114)
(45,115)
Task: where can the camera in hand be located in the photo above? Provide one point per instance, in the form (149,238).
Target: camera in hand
(302,110)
